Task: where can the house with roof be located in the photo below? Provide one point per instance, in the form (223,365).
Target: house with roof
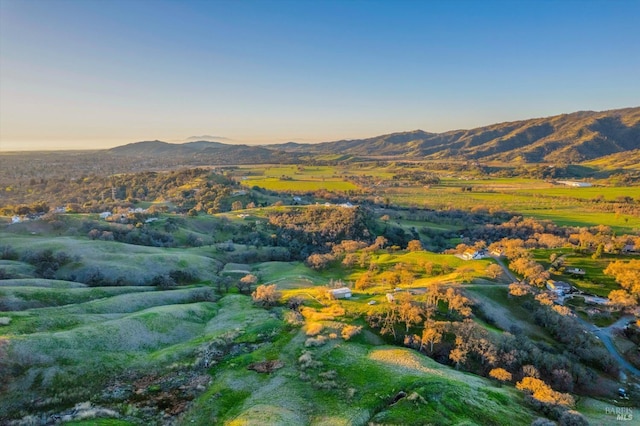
(471,254)
(340,293)
(575,184)
(497,252)
(560,288)
(574,271)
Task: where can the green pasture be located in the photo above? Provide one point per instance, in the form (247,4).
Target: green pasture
(506,311)
(414,258)
(69,352)
(494,183)
(301,185)
(292,274)
(568,216)
(368,169)
(40,282)
(594,281)
(418,225)
(556,207)
(589,193)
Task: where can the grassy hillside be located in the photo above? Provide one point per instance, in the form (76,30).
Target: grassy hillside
(63,355)
(333,384)
(133,264)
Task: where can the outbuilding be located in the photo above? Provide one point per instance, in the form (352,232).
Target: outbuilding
(341,293)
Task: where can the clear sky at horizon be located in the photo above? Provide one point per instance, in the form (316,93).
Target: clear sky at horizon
(85,74)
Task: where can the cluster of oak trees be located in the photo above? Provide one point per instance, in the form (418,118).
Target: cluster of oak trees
(627,274)
(187,189)
(544,234)
(316,229)
(439,325)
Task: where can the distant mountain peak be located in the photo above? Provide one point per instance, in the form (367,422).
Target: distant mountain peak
(207,138)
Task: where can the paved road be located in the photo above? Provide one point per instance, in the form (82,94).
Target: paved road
(605,335)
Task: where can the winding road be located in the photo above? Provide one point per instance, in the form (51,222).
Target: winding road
(604,334)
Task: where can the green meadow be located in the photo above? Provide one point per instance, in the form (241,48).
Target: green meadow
(595,281)
(527,196)
(301,185)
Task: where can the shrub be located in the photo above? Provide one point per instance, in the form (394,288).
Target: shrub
(265,295)
(414,245)
(8,253)
(163,282)
(245,283)
(306,361)
(184,276)
(4,275)
(541,392)
(315,341)
(350,331)
(500,374)
(203,294)
(314,328)
(572,418)
(293,318)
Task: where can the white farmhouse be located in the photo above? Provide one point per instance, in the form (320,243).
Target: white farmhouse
(341,293)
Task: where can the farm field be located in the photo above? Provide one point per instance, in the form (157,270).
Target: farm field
(545,204)
(299,185)
(530,197)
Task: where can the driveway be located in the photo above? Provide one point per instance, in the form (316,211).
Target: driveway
(506,270)
(605,335)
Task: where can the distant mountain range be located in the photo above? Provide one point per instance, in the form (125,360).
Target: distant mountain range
(204,152)
(566,138)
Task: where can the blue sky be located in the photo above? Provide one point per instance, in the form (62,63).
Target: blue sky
(97,73)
